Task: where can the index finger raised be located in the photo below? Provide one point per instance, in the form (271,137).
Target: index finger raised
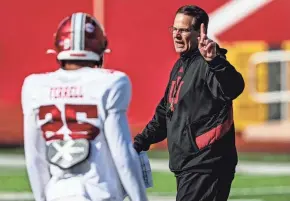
(202,29)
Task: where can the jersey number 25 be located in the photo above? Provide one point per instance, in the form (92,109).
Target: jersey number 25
(79,127)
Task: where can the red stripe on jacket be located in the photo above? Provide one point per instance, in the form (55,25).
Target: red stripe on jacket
(216,133)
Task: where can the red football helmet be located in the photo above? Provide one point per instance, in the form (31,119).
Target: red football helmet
(80,37)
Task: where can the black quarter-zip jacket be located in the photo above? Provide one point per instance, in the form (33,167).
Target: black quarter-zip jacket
(196,115)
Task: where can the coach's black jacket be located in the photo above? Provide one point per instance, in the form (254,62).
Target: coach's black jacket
(199,127)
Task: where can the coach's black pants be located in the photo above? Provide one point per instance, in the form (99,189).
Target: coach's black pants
(203,187)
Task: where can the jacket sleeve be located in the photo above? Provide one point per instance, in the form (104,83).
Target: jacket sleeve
(223,80)
(155,130)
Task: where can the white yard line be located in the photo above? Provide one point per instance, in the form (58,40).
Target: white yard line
(12,160)
(15,196)
(245,200)
(256,191)
(255,168)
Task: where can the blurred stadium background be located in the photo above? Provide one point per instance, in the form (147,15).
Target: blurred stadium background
(255,32)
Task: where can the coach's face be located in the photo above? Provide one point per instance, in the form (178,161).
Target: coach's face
(184,35)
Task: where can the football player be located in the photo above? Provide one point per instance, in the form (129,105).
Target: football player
(76,136)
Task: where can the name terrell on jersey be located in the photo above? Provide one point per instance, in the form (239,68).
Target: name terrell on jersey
(66,92)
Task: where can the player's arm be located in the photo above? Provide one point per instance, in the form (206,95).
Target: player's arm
(34,147)
(223,80)
(119,140)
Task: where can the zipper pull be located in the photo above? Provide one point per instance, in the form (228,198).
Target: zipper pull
(171,106)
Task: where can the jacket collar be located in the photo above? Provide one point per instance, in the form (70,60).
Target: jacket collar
(189,54)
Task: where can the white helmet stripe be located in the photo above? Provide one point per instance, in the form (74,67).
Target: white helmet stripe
(73,18)
(78,23)
(84,16)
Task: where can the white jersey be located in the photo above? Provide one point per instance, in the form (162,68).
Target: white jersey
(85,103)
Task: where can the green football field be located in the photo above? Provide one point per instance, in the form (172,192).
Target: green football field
(244,188)
(262,188)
